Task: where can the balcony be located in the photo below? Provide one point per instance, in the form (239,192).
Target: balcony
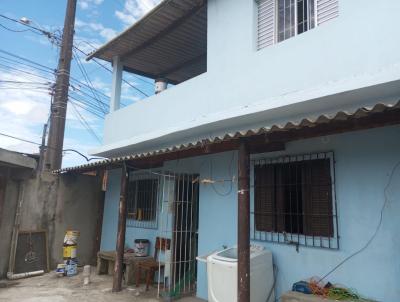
(168,45)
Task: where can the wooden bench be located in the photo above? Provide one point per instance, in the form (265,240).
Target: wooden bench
(106,261)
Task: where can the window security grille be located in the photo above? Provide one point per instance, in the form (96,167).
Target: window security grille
(294,201)
(142,201)
(279,20)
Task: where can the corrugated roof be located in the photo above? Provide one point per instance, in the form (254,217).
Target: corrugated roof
(169,42)
(291,125)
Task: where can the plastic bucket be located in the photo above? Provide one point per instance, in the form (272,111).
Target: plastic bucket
(142,247)
(71,268)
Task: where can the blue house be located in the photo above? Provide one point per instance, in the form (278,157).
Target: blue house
(275,123)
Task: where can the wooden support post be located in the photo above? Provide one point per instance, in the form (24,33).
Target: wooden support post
(117,280)
(100,214)
(243,224)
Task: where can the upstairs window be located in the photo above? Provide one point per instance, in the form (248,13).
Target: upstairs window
(294,17)
(279,20)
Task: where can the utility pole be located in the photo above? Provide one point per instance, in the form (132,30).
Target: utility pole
(55,143)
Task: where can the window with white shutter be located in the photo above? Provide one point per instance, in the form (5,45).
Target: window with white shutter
(279,20)
(327,10)
(266,23)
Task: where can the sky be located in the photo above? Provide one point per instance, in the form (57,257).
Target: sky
(24,86)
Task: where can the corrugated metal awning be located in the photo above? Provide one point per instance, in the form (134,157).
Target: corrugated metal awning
(324,119)
(169,42)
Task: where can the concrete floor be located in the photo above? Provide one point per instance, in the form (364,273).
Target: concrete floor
(51,288)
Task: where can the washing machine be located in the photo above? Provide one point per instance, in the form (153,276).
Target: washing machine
(222,275)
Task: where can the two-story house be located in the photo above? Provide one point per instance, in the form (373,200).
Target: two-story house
(280,126)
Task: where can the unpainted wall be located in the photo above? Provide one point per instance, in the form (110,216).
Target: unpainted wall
(6,223)
(54,204)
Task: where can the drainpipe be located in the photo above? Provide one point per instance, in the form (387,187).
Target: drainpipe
(12,276)
(160,85)
(243,224)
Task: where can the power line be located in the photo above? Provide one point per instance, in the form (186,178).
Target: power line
(24,71)
(89,104)
(87,79)
(39,144)
(53,37)
(52,82)
(25,59)
(39,30)
(375,233)
(93,110)
(109,70)
(13,30)
(22,82)
(85,123)
(74,88)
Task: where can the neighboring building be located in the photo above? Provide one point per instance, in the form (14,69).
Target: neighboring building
(311,87)
(16,169)
(33,202)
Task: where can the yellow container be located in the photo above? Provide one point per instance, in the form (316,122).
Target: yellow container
(69,251)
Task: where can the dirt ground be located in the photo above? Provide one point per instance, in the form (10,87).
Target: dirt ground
(51,288)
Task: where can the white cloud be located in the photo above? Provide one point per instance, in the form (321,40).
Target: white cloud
(134,10)
(24,111)
(95,29)
(86,4)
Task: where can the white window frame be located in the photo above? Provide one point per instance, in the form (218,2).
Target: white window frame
(324,11)
(295,19)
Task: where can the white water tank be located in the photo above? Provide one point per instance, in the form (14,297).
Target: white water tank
(222,275)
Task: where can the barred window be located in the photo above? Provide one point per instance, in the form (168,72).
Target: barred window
(142,201)
(293,196)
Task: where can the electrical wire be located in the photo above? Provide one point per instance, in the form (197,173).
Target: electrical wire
(230,177)
(84,123)
(24,71)
(33,28)
(87,79)
(86,102)
(375,233)
(49,70)
(55,39)
(39,144)
(13,30)
(27,60)
(82,105)
(109,70)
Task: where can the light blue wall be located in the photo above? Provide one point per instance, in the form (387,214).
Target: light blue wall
(345,54)
(364,161)
(110,219)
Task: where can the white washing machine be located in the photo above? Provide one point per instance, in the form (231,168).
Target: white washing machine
(222,275)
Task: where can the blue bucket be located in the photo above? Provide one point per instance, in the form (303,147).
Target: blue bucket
(71,268)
